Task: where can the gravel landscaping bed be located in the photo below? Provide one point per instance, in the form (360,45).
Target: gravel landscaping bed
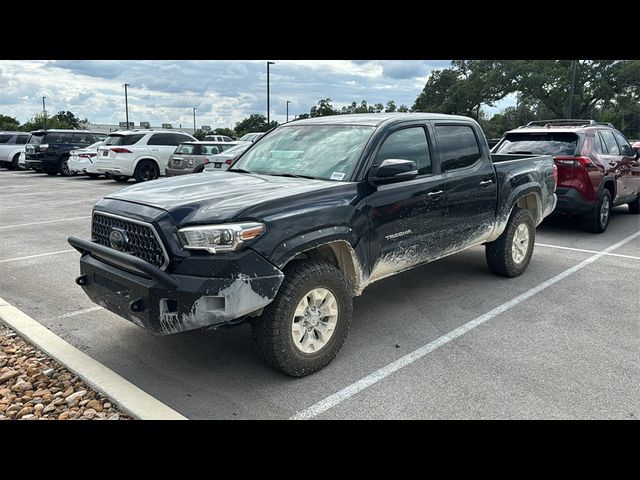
(35,387)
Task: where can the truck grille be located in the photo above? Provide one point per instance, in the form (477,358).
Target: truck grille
(142,239)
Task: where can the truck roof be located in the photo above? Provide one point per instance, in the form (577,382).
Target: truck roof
(375,119)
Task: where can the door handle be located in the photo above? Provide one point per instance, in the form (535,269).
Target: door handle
(435,195)
(486,182)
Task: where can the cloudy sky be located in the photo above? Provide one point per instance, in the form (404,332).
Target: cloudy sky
(224,91)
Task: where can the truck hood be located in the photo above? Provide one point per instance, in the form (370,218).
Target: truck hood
(218,196)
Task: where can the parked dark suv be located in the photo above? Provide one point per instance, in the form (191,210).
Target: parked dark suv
(48,150)
(597,168)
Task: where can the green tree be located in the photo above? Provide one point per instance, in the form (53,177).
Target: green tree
(199,134)
(323,108)
(9,123)
(253,123)
(39,120)
(403,108)
(378,107)
(69,119)
(225,131)
(302,116)
(391,106)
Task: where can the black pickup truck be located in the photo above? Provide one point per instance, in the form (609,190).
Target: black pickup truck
(304,220)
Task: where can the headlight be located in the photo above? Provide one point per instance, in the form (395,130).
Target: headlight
(219,238)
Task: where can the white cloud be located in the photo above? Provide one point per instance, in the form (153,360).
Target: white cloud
(224,92)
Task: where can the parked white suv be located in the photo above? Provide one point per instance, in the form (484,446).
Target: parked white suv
(142,154)
(11,144)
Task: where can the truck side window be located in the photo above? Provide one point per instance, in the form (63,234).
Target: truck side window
(458,146)
(407,144)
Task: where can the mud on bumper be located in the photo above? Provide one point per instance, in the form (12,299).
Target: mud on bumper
(164,303)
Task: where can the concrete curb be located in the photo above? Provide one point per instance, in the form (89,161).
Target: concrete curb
(126,395)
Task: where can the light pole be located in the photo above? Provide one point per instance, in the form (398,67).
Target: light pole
(126,104)
(573,80)
(288,102)
(268,104)
(44,113)
(194,120)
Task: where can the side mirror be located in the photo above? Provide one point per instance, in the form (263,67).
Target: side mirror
(393,170)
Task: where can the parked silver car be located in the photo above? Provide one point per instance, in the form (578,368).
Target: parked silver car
(191,157)
(223,160)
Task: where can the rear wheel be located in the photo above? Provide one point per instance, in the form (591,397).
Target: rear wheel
(14,163)
(598,219)
(63,168)
(634,207)
(511,253)
(146,170)
(53,173)
(303,328)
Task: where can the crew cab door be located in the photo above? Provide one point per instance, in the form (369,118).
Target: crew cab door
(469,184)
(406,218)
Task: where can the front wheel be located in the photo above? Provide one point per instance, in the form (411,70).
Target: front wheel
(146,170)
(511,253)
(305,326)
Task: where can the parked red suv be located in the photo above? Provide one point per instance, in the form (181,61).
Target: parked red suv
(597,168)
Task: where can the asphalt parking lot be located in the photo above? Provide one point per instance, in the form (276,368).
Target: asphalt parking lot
(568,351)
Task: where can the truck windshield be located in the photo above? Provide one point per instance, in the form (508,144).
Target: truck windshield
(328,152)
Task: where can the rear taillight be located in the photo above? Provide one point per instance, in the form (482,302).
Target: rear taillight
(564,160)
(87,155)
(120,150)
(229,161)
(555,177)
(206,161)
(584,161)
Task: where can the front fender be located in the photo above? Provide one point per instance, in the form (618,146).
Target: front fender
(287,250)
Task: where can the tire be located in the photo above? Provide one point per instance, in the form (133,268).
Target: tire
(120,178)
(634,207)
(199,169)
(273,331)
(63,167)
(93,175)
(146,170)
(14,163)
(598,220)
(503,255)
(53,173)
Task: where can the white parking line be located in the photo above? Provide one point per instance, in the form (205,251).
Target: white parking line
(35,256)
(358,386)
(46,221)
(76,313)
(586,251)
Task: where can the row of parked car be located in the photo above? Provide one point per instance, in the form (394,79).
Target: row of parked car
(598,168)
(143,154)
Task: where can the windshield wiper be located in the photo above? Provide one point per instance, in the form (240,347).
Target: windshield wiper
(292,175)
(521,151)
(239,170)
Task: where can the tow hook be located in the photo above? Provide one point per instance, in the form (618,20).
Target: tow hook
(81,280)
(137,305)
